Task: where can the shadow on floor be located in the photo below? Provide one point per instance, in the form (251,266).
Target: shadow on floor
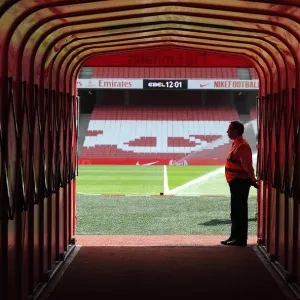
(216,222)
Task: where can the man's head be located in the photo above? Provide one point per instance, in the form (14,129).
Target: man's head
(235,129)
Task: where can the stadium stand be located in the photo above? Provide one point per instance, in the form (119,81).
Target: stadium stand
(157,132)
(83,126)
(253,73)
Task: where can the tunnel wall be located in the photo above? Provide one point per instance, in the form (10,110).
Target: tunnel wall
(43,45)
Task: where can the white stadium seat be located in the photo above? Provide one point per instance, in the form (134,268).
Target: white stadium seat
(121,131)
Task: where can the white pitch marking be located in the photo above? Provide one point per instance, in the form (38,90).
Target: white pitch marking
(203,178)
(166,184)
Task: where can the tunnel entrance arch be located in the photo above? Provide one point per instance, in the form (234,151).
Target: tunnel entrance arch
(42,48)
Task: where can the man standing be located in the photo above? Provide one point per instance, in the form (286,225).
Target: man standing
(240,176)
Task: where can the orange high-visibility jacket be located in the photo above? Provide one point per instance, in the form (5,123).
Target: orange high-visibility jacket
(233,167)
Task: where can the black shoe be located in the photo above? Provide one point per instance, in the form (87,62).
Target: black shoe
(226,241)
(236,243)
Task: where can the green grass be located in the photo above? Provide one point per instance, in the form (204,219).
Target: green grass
(138,215)
(135,180)
(148,180)
(140,180)
(148,215)
(179,175)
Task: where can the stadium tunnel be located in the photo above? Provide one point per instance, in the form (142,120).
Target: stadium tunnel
(43,46)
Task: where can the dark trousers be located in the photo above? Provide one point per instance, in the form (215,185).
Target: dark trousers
(239,189)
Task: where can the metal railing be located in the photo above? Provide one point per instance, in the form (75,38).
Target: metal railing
(49,161)
(278,124)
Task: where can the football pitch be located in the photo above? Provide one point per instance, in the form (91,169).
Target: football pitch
(125,200)
(150,180)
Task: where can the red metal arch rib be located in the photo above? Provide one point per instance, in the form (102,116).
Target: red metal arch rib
(58,2)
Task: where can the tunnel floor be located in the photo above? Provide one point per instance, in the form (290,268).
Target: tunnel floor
(167,272)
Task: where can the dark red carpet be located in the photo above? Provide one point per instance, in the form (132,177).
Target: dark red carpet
(167,273)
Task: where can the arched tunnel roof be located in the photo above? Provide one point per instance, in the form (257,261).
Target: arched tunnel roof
(43,45)
(52,39)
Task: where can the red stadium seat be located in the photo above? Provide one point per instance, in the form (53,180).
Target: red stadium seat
(157,132)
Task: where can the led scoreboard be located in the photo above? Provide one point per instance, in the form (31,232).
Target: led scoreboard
(156,84)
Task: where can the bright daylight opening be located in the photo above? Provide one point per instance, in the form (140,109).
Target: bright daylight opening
(152,146)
